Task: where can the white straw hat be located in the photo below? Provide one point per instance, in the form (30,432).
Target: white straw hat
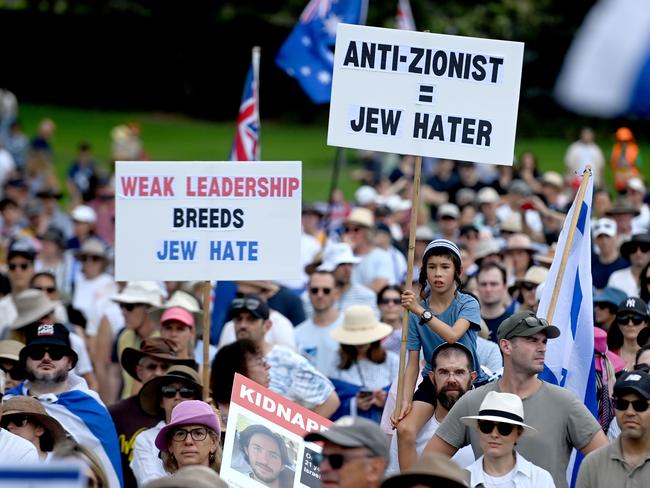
(500,407)
(148,292)
(360,326)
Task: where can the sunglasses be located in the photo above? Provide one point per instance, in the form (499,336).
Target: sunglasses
(246,303)
(129,307)
(55,352)
(642,247)
(527,285)
(314,290)
(637,405)
(197,434)
(626,319)
(17,420)
(353,230)
(14,266)
(387,301)
(487,426)
(46,289)
(336,460)
(93,259)
(184,391)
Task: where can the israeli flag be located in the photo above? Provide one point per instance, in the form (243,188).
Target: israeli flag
(570,357)
(607,69)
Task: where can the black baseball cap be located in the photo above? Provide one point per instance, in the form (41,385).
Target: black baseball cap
(47,335)
(633,305)
(635,381)
(249,303)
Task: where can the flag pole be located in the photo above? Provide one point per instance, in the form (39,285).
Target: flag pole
(567,248)
(206,340)
(415,205)
(255,62)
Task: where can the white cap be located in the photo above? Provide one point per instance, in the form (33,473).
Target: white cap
(335,254)
(84,213)
(604,226)
(487,195)
(365,195)
(449,210)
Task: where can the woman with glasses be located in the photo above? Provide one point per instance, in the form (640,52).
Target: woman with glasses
(191,437)
(365,370)
(389,302)
(500,422)
(631,318)
(158,398)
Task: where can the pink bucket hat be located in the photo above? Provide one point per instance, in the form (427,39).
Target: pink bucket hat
(180,314)
(189,412)
(600,345)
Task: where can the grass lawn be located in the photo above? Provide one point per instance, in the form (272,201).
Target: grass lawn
(175,137)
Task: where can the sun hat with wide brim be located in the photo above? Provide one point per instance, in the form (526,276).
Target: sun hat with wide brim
(634,241)
(432,469)
(189,412)
(506,408)
(10,350)
(517,242)
(31,306)
(32,408)
(180,299)
(149,395)
(147,292)
(360,326)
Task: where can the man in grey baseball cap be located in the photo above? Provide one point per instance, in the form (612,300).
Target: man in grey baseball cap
(355,453)
(525,324)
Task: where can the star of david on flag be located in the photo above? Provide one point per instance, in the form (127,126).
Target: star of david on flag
(307,54)
(246,146)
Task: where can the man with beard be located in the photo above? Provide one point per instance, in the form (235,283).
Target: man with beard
(452,376)
(267,456)
(555,411)
(626,461)
(47,359)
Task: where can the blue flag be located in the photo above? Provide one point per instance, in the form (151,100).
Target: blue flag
(570,358)
(307,54)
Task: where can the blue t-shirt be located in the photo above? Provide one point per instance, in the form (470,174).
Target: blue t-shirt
(422,337)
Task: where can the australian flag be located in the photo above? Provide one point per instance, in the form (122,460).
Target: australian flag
(307,54)
(246,146)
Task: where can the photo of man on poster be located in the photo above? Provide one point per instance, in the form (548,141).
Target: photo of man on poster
(267,457)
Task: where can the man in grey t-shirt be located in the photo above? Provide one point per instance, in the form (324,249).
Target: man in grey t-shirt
(557,412)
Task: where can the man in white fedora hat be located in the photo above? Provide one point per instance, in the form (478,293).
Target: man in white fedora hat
(500,423)
(555,411)
(339,260)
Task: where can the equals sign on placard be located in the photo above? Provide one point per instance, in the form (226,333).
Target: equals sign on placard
(426,94)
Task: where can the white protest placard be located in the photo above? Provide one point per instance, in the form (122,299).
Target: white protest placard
(207,220)
(264,440)
(425,94)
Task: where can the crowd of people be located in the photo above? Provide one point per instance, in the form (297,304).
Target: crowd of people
(110,373)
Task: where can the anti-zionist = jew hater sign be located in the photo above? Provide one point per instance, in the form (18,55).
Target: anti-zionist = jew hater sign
(425,94)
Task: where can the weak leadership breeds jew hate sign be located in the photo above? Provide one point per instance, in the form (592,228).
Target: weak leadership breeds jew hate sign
(425,94)
(207,220)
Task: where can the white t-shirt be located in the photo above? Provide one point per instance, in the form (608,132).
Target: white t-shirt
(281,333)
(317,345)
(623,279)
(16,451)
(376,264)
(145,464)
(83,366)
(89,293)
(463,457)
